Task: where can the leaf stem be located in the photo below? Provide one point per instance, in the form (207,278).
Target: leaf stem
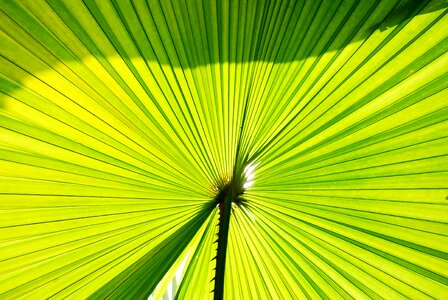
(224,225)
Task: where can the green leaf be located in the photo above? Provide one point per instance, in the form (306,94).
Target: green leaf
(120,121)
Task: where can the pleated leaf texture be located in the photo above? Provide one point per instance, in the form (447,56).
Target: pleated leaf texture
(120,120)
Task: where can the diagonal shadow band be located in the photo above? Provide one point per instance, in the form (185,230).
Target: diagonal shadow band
(196,33)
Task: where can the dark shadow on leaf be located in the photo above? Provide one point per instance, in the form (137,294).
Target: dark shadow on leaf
(406,9)
(188,34)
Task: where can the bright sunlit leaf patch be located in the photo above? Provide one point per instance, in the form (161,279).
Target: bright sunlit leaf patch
(125,125)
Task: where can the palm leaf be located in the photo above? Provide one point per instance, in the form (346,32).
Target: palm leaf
(122,122)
